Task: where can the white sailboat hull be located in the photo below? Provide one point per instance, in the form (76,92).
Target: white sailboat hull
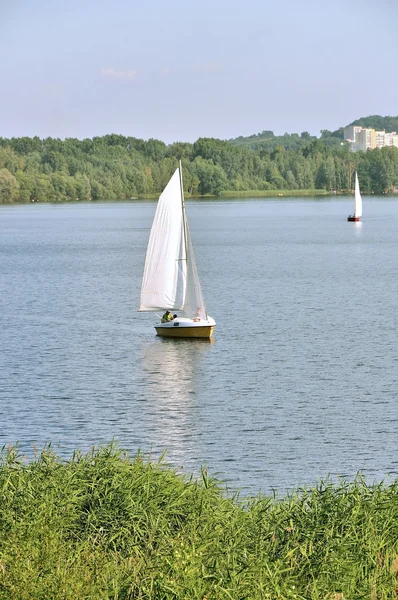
(182,327)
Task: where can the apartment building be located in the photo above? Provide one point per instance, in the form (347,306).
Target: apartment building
(391,139)
(362,138)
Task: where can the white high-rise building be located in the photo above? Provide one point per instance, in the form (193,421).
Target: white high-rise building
(380,139)
(391,139)
(363,138)
(350,132)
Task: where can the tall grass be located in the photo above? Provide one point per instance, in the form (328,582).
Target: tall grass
(102,525)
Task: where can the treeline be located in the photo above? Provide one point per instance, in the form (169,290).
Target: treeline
(289,141)
(119,167)
(378,122)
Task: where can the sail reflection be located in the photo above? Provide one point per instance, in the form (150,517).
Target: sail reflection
(358,228)
(171,379)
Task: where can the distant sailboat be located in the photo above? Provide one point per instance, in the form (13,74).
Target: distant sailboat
(170,281)
(357,202)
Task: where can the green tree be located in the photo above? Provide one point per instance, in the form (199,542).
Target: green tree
(26,145)
(381,171)
(55,160)
(155,149)
(10,160)
(180,150)
(8,186)
(83,187)
(26,182)
(326,176)
(212,178)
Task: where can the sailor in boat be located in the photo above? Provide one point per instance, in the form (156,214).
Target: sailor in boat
(167,317)
(198,315)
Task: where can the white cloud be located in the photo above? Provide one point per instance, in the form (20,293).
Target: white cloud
(115,74)
(211,67)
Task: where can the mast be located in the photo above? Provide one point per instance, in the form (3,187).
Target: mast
(184,220)
(187,245)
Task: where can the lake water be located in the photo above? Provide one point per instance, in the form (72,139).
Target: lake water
(300,381)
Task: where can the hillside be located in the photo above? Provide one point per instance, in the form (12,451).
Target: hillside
(115,167)
(377,122)
(293,141)
(267,140)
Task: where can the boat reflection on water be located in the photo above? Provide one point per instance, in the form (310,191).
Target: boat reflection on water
(173,371)
(358,232)
(358,225)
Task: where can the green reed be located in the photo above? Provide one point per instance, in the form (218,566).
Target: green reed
(102,525)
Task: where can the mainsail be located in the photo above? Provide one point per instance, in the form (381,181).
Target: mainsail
(170,278)
(358,198)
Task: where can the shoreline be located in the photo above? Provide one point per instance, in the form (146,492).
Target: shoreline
(225,195)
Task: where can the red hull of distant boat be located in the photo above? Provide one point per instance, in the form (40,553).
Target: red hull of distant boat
(353,218)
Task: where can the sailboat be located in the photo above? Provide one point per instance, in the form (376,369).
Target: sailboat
(170,281)
(357,202)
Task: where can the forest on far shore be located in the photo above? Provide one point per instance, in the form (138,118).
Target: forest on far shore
(116,167)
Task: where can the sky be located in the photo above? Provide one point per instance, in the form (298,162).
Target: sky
(180,70)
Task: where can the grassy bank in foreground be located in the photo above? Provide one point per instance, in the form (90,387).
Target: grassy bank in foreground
(104,526)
